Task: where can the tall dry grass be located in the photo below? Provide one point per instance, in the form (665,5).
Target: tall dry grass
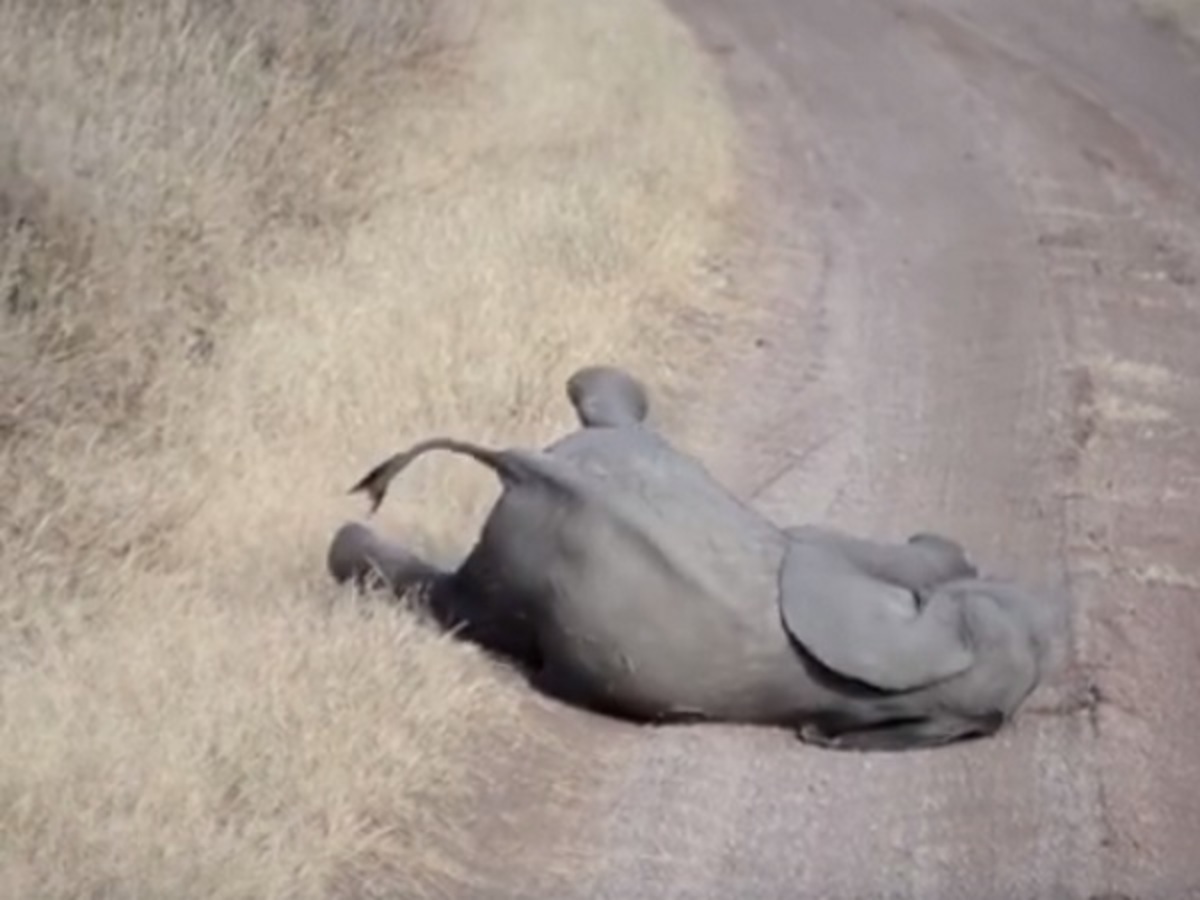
(247,249)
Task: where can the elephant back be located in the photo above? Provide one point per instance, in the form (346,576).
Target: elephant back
(678,499)
(647,581)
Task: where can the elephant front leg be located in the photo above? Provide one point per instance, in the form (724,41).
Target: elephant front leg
(921,563)
(901,734)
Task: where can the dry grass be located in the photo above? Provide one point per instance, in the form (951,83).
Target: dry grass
(247,249)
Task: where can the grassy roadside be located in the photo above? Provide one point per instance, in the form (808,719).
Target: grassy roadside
(246,251)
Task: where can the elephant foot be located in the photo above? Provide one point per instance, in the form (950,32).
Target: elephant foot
(902,734)
(948,556)
(356,554)
(348,557)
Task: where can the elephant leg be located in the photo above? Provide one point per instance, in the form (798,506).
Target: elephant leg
(945,559)
(487,622)
(563,684)
(605,396)
(560,684)
(923,562)
(358,554)
(903,734)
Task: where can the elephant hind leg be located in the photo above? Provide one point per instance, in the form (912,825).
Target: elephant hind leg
(356,554)
(454,601)
(563,684)
(903,734)
(555,681)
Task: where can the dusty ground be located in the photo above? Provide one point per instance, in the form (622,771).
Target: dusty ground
(980,232)
(1180,16)
(245,250)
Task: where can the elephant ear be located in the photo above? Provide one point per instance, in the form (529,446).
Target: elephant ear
(864,629)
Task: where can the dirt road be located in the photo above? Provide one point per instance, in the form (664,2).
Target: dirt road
(980,243)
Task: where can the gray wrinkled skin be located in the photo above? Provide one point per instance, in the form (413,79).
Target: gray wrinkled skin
(624,578)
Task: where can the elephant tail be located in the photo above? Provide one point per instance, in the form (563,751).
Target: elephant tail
(513,467)
(375,483)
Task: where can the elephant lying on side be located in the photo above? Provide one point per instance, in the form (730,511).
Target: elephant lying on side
(622,577)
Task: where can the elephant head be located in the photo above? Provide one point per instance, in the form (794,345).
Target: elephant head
(946,654)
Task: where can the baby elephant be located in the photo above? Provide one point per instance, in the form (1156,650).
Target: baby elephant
(623,577)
